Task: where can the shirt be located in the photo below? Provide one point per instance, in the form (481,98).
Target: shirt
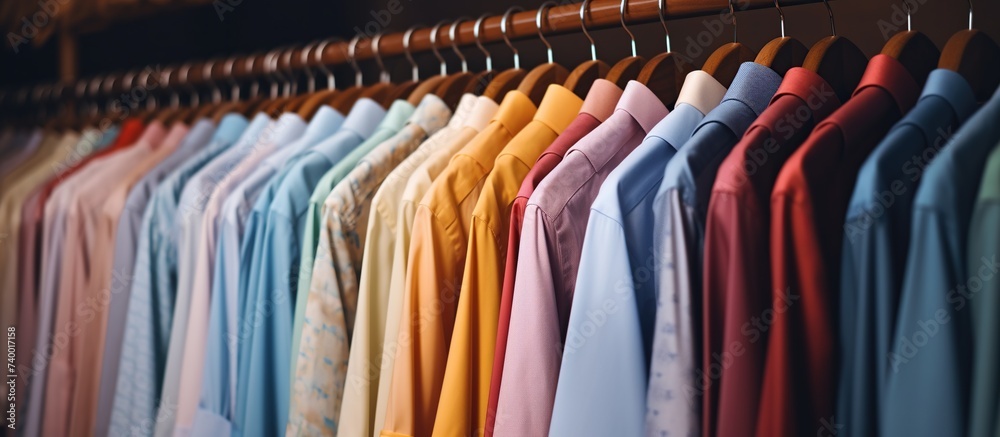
(395,118)
(596,108)
(27,144)
(876,240)
(321,369)
(217,405)
(267,347)
(69,365)
(929,386)
(53,235)
(433,277)
(418,184)
(737,280)
(549,251)
(465,390)
(145,346)
(808,205)
(983,244)
(362,381)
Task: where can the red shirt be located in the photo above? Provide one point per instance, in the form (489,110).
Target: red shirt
(737,282)
(808,205)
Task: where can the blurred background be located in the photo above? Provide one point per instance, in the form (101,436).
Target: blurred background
(116,35)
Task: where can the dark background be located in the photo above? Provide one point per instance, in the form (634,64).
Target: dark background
(252,25)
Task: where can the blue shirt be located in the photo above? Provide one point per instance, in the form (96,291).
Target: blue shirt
(218,396)
(615,271)
(876,239)
(151,302)
(928,387)
(264,389)
(679,212)
(126,248)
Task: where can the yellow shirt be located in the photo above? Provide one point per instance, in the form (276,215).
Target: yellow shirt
(462,406)
(418,184)
(434,272)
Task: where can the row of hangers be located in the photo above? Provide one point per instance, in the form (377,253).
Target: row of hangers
(836,59)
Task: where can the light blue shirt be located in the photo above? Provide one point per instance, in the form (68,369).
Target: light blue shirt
(151,302)
(218,393)
(126,249)
(876,240)
(615,284)
(270,298)
(929,380)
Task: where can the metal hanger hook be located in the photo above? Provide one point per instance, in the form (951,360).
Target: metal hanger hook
(271,71)
(909,18)
(583,26)
(383,75)
(434,41)
(660,6)
(970,14)
(538,26)
(351,48)
(621,17)
(206,75)
(479,43)
(506,37)
(829,10)
(452,37)
(195,99)
(331,82)
(414,70)
(732,11)
(781,17)
(291,83)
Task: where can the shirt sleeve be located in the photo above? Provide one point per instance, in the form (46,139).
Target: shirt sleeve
(674,390)
(602,379)
(984,242)
(462,408)
(425,330)
(925,394)
(534,346)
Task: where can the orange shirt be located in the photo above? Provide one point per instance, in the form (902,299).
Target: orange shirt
(464,394)
(434,272)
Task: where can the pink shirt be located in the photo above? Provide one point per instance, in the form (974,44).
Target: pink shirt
(555,220)
(75,363)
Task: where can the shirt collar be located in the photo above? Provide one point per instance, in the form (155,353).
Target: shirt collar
(954,89)
(481,114)
(365,115)
(176,133)
(515,111)
(399,111)
(601,99)
(154,133)
(230,128)
(887,73)
(465,106)
(748,96)
(812,89)
(555,111)
(701,91)
(639,102)
(432,114)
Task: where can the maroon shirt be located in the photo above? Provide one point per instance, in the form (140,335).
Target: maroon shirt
(737,282)
(808,205)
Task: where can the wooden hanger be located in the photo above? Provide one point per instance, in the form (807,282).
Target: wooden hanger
(725,61)
(664,73)
(837,60)
(914,50)
(975,56)
(781,54)
(507,80)
(537,81)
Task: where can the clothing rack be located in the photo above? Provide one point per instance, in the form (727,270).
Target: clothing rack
(560,19)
